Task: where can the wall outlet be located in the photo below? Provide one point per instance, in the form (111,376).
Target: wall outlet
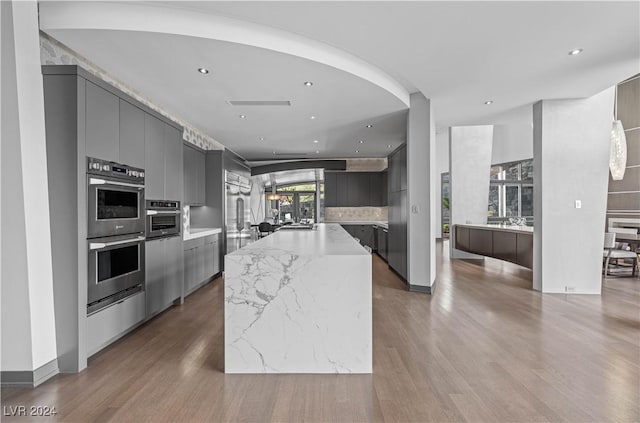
(569,289)
(415,209)
(578,204)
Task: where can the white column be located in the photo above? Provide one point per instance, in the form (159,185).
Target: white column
(469,165)
(28,322)
(571,157)
(421,188)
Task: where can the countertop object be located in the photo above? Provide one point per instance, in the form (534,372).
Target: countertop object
(299,302)
(194,233)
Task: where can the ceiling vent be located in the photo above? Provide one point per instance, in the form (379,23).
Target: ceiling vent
(259,102)
(291,154)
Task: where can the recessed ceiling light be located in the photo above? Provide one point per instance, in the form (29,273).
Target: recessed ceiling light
(315,141)
(273,152)
(317,151)
(389,146)
(203,71)
(242,116)
(357,151)
(308,83)
(261,138)
(488,102)
(369,126)
(575,52)
(361,141)
(312,117)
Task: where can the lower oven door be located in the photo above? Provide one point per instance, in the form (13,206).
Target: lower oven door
(162,223)
(114,207)
(116,270)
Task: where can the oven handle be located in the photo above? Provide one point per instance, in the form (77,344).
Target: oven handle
(96,181)
(154,212)
(101,245)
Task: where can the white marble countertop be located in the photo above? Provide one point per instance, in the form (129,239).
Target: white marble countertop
(501,227)
(194,233)
(361,222)
(325,240)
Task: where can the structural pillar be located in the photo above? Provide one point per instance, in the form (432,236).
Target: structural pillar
(421,188)
(28,341)
(571,160)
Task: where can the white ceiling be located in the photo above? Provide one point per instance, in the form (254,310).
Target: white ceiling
(459,54)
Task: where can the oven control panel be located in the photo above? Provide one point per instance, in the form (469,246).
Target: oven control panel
(114,170)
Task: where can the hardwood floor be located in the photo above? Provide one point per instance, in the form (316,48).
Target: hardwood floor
(484,348)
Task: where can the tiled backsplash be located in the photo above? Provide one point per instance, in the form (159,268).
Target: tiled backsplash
(356,214)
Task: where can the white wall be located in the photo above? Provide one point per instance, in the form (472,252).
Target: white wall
(28,322)
(421,191)
(512,143)
(571,157)
(469,165)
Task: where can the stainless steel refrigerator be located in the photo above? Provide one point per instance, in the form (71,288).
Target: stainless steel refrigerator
(237,206)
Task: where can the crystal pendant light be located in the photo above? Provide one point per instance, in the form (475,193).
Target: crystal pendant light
(618,155)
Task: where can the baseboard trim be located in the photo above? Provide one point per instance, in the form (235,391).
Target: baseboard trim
(422,289)
(27,378)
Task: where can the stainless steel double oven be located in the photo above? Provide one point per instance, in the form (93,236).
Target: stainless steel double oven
(115,232)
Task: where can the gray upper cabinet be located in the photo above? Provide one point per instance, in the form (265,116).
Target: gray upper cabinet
(131,135)
(154,158)
(102,123)
(342,196)
(194,176)
(173,163)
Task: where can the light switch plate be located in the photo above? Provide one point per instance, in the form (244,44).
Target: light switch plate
(414,209)
(578,204)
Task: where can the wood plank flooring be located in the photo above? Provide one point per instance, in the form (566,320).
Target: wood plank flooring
(484,348)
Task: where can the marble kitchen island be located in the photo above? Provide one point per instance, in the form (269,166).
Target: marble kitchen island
(299,301)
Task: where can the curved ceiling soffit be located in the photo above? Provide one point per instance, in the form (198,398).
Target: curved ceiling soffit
(145,18)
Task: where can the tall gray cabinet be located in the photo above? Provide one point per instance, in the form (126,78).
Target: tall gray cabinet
(397,234)
(85,116)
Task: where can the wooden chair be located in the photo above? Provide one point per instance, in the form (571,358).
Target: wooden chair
(610,252)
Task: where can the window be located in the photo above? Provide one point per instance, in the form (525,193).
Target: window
(511,191)
(297,203)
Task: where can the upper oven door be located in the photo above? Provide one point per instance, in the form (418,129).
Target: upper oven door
(115,208)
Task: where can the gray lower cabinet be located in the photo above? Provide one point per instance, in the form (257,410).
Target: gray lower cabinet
(201,261)
(113,322)
(382,235)
(164,273)
(363,232)
(194,176)
(102,123)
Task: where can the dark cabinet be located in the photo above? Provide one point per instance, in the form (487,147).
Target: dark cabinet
(382,235)
(102,132)
(194,176)
(355,189)
(330,190)
(342,182)
(154,158)
(173,163)
(131,135)
(163,273)
(364,233)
